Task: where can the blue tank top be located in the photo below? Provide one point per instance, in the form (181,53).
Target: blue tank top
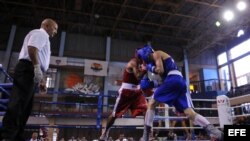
(169,65)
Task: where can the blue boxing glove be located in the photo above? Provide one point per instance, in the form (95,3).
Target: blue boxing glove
(146,84)
(151,67)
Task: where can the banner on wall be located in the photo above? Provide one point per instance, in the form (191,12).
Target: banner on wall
(95,67)
(59,61)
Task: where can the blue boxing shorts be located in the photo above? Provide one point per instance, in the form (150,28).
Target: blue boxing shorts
(173,91)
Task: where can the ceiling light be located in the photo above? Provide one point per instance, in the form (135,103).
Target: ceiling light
(97,16)
(241,5)
(240,32)
(228,15)
(217,23)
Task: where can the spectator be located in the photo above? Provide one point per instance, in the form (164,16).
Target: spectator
(62,139)
(121,138)
(34,137)
(171,136)
(72,139)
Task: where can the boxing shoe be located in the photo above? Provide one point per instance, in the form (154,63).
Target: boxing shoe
(104,136)
(188,137)
(214,133)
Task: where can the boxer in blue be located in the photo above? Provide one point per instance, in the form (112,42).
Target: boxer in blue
(172,91)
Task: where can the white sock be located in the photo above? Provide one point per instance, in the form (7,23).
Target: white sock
(149,118)
(107,131)
(200,120)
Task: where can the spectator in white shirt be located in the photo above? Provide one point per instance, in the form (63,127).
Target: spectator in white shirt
(34,136)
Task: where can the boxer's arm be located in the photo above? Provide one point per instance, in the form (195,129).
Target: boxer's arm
(159,69)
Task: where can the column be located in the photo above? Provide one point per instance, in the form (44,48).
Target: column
(108,46)
(8,51)
(58,74)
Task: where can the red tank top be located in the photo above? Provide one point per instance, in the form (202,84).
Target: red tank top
(129,78)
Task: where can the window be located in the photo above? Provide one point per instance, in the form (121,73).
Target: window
(224,78)
(242,71)
(240,49)
(222,58)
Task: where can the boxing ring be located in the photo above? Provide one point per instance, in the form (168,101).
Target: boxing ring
(228,109)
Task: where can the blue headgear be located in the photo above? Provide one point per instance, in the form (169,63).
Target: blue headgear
(144,53)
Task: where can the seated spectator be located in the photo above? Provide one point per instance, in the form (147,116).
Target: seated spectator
(171,136)
(240,120)
(62,139)
(202,136)
(34,137)
(82,139)
(130,139)
(72,139)
(121,138)
(110,139)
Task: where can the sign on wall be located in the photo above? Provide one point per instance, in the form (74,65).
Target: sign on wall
(59,61)
(95,67)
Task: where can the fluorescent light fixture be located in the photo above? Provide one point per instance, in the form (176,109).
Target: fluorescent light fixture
(241,5)
(228,15)
(217,23)
(240,32)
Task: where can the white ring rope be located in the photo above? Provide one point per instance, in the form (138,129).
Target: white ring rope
(172,127)
(244,115)
(178,127)
(169,117)
(178,117)
(194,108)
(239,106)
(207,100)
(206,108)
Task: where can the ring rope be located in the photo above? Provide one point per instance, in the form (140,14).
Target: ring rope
(235,116)
(176,117)
(172,127)
(206,108)
(171,117)
(207,100)
(194,108)
(239,106)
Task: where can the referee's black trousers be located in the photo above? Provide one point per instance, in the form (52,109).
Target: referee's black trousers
(21,101)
